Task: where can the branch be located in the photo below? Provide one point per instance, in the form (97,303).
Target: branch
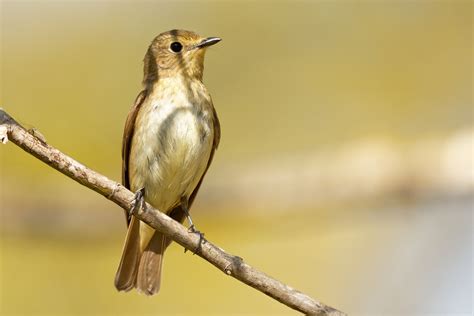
(33,143)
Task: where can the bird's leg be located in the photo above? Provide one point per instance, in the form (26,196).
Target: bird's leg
(192,228)
(138,202)
(185,208)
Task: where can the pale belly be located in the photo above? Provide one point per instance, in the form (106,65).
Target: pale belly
(170,152)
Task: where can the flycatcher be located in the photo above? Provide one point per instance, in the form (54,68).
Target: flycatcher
(170,136)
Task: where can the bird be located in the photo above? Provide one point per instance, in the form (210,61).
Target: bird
(171,134)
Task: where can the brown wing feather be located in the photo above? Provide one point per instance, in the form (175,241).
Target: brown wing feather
(217,137)
(127,140)
(129,263)
(128,134)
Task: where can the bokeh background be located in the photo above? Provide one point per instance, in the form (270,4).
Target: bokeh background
(345,167)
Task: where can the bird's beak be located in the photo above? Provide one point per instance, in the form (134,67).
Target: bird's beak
(208,42)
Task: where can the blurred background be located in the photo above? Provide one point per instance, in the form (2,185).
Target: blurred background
(345,167)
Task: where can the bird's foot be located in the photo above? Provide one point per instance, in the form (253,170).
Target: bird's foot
(192,229)
(138,202)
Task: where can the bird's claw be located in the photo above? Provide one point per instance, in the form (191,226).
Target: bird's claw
(192,229)
(138,202)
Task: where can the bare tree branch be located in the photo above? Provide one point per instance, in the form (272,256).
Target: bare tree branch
(231,265)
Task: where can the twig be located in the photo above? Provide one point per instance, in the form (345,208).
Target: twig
(229,264)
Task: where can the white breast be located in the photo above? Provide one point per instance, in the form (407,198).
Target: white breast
(171,147)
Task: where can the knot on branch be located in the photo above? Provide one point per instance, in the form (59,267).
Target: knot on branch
(3,134)
(5,119)
(234,265)
(114,190)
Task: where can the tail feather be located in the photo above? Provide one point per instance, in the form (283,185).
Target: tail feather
(142,258)
(149,271)
(128,267)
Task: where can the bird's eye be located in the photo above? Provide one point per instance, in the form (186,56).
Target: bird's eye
(176,47)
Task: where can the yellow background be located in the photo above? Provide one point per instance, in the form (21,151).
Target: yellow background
(289,79)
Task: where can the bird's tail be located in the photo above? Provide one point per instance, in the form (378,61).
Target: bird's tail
(151,261)
(141,269)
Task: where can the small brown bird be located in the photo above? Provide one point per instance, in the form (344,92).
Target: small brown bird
(170,137)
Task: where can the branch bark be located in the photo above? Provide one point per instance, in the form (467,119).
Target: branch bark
(231,265)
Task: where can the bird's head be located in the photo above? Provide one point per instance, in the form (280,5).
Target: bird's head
(176,52)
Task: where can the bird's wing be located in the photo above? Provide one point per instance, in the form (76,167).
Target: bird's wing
(217,137)
(127,141)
